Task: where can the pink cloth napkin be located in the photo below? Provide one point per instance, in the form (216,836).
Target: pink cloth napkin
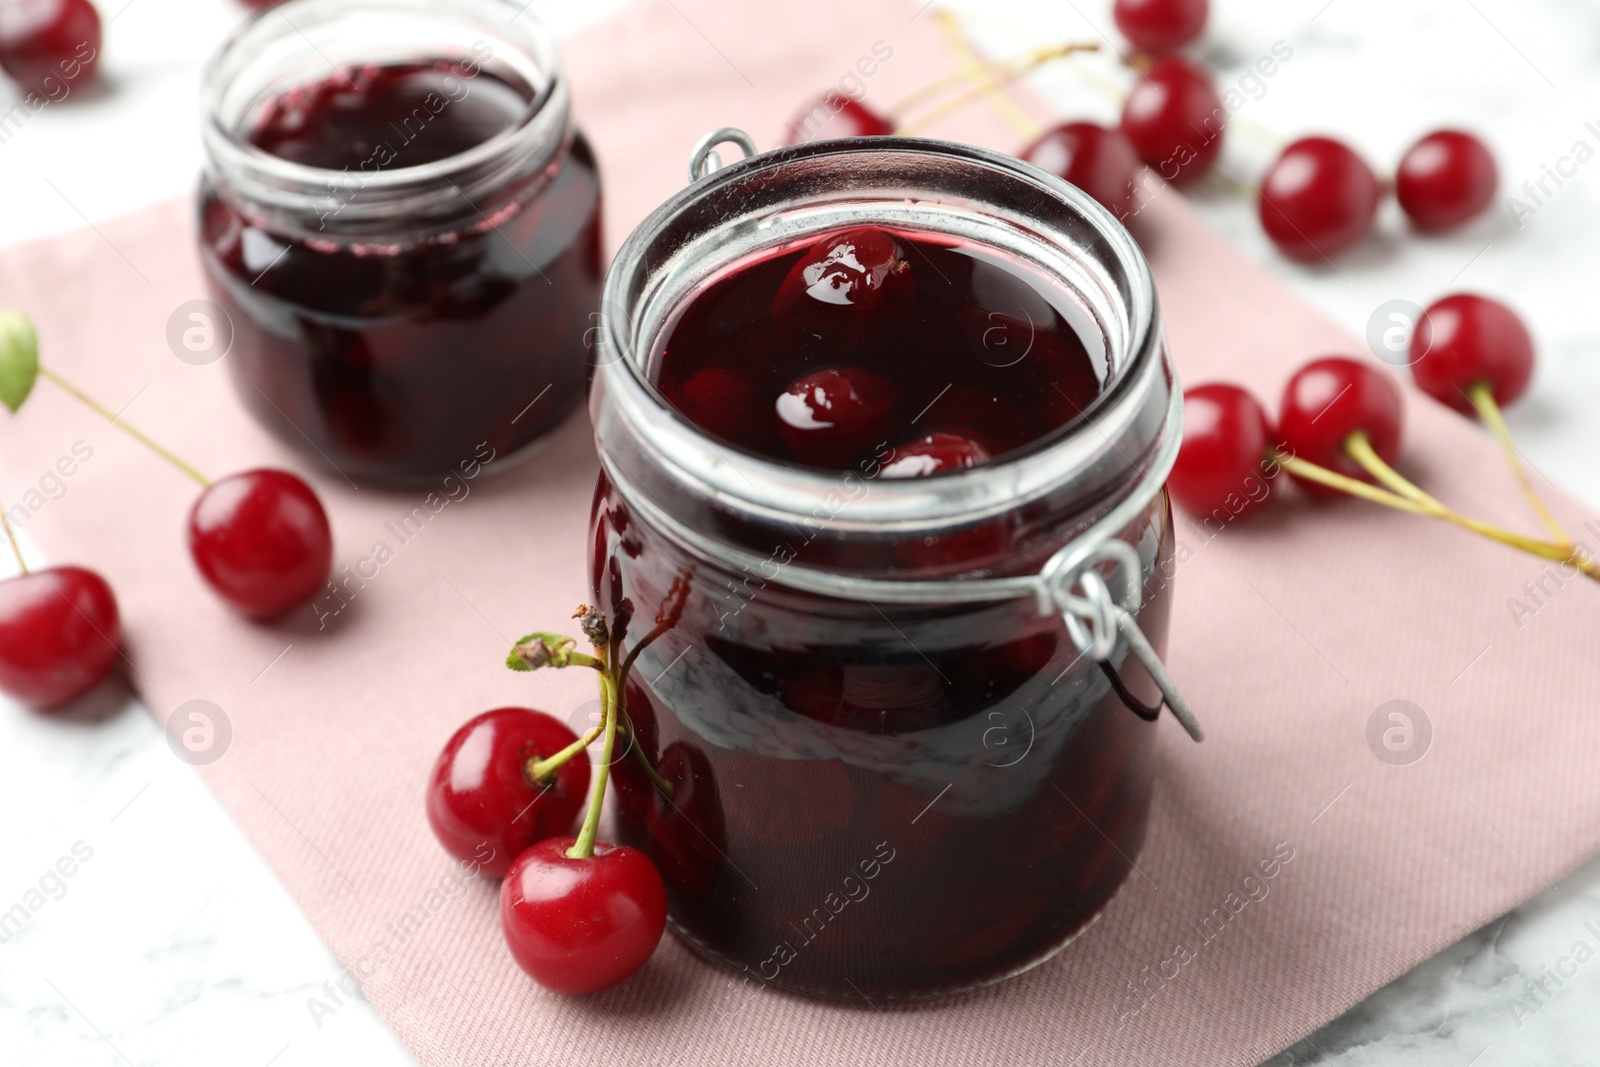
(1289,631)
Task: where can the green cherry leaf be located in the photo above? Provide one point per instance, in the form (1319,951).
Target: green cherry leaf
(19,358)
(541,649)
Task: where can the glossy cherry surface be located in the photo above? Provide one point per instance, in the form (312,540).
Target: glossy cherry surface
(836,115)
(1160,25)
(581,925)
(844,274)
(1329,399)
(49,46)
(1445,179)
(261,541)
(933,453)
(1318,199)
(482,805)
(1220,468)
(1175,119)
(1098,160)
(60,634)
(834,353)
(830,418)
(1465,339)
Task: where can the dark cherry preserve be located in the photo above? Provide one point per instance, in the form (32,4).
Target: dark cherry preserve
(873,800)
(400,355)
(872,347)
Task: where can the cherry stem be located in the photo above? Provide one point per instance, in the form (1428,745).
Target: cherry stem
(1482,396)
(11,536)
(116,420)
(974,68)
(1311,472)
(1001,72)
(583,848)
(1561,553)
(538,770)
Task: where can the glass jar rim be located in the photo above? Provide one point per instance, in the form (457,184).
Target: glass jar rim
(382,194)
(778,490)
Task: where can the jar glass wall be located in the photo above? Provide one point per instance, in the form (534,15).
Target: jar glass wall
(403,225)
(875,787)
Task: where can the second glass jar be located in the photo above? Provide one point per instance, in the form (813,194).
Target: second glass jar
(408,244)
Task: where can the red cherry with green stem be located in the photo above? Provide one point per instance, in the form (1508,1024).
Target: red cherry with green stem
(261,541)
(935,453)
(833,417)
(49,46)
(60,634)
(1318,199)
(1464,341)
(1445,179)
(836,115)
(1220,471)
(581,925)
(485,803)
(1329,400)
(1175,119)
(1098,160)
(1160,25)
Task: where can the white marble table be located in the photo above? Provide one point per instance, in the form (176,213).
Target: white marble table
(173,944)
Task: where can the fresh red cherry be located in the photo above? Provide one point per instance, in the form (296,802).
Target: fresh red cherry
(1160,25)
(721,402)
(833,417)
(261,541)
(1226,435)
(1328,400)
(1445,179)
(854,270)
(1318,199)
(47,45)
(483,806)
(60,633)
(934,454)
(1466,339)
(582,925)
(688,832)
(836,115)
(1098,160)
(1175,119)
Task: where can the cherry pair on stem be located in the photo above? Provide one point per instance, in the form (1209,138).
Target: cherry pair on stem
(259,538)
(1339,427)
(578,914)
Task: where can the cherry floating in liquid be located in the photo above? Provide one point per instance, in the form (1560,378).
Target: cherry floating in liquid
(1445,179)
(60,633)
(581,925)
(1318,199)
(832,418)
(1100,161)
(1226,436)
(1328,400)
(261,541)
(1160,25)
(482,804)
(48,45)
(842,275)
(836,115)
(688,832)
(1465,339)
(1175,119)
(933,454)
(722,402)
